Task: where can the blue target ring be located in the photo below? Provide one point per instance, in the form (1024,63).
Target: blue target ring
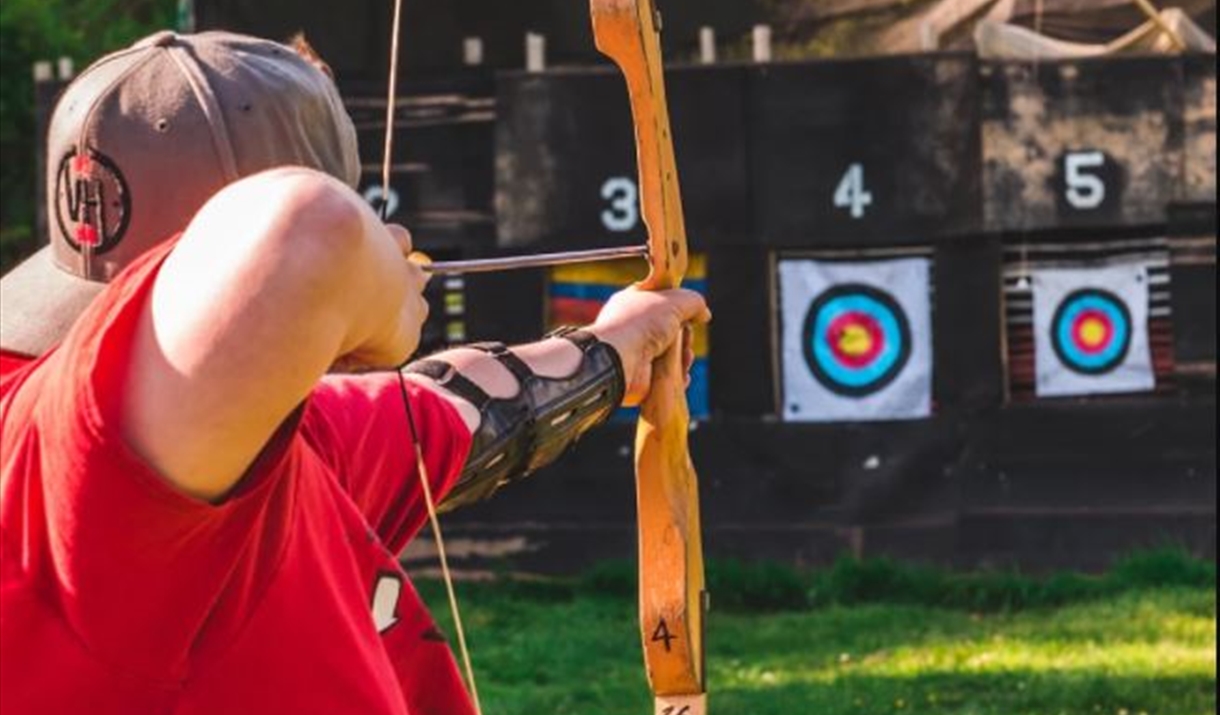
(856,339)
(1091,331)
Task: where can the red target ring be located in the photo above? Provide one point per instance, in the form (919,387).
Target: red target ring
(1093,331)
(855,338)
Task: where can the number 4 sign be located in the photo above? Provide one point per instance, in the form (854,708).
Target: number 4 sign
(679,705)
(851,193)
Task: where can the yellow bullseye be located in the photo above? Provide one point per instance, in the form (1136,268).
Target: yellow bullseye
(855,341)
(1092,332)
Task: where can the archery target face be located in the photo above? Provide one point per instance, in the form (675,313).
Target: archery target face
(856,340)
(1091,330)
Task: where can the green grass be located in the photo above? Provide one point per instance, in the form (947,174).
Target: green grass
(1144,649)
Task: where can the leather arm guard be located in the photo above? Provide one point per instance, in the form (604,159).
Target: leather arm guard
(518,435)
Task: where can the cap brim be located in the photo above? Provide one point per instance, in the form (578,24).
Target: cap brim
(39,303)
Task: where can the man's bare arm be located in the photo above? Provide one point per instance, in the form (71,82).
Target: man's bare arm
(639,325)
(568,385)
(278,277)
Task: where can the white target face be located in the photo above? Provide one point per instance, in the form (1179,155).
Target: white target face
(1091,331)
(856,340)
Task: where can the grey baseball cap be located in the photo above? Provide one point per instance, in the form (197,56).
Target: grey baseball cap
(141,139)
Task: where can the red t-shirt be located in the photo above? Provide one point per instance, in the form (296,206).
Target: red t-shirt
(119,594)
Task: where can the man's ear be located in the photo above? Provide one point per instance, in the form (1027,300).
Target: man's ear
(302,47)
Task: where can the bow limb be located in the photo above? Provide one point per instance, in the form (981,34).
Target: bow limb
(672,595)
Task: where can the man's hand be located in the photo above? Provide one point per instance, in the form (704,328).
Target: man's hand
(643,325)
(395,339)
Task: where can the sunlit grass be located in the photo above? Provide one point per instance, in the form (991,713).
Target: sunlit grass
(1149,652)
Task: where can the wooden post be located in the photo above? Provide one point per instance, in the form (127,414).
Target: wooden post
(535,52)
(762,43)
(929,38)
(67,70)
(186,15)
(472,51)
(707,46)
(45,89)
(1154,15)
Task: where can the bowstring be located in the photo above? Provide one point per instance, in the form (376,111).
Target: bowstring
(424,479)
(425,482)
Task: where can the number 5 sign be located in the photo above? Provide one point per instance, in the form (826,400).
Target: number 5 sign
(1087,181)
(1078,144)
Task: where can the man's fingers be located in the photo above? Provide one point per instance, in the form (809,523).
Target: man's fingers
(688,351)
(415,260)
(402,237)
(638,386)
(692,307)
(688,347)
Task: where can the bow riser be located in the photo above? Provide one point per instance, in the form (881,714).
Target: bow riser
(671,551)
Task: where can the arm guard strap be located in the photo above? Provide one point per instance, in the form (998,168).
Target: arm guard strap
(519,434)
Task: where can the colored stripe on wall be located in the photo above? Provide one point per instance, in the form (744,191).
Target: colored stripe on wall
(577,293)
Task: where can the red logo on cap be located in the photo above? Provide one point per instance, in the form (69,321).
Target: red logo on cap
(86,235)
(92,203)
(82,166)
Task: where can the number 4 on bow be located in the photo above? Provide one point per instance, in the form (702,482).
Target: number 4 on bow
(672,596)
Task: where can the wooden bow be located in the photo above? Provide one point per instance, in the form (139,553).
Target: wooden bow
(672,595)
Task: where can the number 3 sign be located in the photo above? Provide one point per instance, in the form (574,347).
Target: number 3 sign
(623,206)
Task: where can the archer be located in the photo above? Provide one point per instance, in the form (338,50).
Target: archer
(197,513)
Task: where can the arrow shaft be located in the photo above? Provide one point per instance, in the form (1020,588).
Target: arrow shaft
(510,263)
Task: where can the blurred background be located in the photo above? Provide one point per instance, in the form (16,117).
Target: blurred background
(955,420)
